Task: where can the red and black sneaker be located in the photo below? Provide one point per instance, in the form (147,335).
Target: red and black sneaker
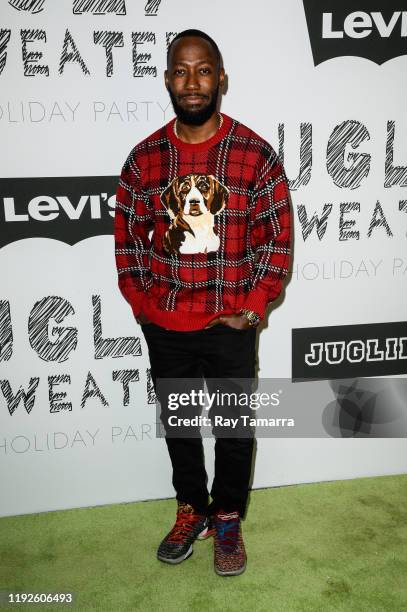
(189,526)
(230,555)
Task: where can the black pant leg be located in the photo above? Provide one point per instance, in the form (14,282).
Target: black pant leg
(231,354)
(173,355)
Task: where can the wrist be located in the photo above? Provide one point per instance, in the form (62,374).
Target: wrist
(252,316)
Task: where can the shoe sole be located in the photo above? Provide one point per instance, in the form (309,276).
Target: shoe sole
(205,533)
(177,559)
(235,573)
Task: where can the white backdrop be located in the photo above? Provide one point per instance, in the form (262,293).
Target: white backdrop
(71,124)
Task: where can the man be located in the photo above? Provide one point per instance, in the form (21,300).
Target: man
(202,236)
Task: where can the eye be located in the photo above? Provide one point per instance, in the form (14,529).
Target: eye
(185,187)
(179,71)
(205,71)
(203,186)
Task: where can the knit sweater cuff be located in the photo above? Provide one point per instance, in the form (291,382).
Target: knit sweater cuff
(256,300)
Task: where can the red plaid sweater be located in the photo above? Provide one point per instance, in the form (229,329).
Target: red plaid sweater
(220,216)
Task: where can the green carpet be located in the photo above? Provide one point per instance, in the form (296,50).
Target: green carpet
(316,547)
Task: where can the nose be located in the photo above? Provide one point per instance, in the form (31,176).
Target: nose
(192,82)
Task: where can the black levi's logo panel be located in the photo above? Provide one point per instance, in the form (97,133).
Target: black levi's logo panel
(68,209)
(374,30)
(346,351)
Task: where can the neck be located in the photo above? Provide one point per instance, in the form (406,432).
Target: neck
(194,134)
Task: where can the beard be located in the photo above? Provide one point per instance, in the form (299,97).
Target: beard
(198,116)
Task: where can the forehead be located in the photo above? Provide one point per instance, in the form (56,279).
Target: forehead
(191,49)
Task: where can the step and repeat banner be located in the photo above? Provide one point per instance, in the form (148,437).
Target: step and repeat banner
(81,82)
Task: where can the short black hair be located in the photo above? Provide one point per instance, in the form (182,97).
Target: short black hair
(198,34)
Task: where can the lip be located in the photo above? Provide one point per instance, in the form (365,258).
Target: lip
(195,213)
(193,99)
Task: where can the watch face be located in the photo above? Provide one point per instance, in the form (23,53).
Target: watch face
(252,316)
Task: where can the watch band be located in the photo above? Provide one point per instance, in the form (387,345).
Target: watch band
(252,316)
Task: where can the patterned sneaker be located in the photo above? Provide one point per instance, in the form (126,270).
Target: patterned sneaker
(230,554)
(189,526)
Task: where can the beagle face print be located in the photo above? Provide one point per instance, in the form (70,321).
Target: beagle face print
(192,201)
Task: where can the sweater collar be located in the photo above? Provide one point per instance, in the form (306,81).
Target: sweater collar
(198,146)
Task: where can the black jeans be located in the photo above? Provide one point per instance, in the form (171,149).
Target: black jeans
(218,352)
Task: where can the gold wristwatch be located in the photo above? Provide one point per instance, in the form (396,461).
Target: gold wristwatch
(252,317)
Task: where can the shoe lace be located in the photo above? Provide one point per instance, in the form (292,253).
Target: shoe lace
(183,527)
(227,533)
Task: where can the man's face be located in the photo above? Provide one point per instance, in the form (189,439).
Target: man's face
(193,79)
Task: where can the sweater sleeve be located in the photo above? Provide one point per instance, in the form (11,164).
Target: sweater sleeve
(132,224)
(270,236)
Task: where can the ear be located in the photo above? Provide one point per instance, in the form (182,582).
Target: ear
(170,199)
(166,78)
(221,77)
(220,196)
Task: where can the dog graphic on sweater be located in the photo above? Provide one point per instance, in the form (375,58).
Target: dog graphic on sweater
(192,201)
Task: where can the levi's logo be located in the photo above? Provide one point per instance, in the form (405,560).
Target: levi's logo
(68,209)
(347,351)
(374,30)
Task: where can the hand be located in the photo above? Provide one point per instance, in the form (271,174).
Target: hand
(237,321)
(142,319)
